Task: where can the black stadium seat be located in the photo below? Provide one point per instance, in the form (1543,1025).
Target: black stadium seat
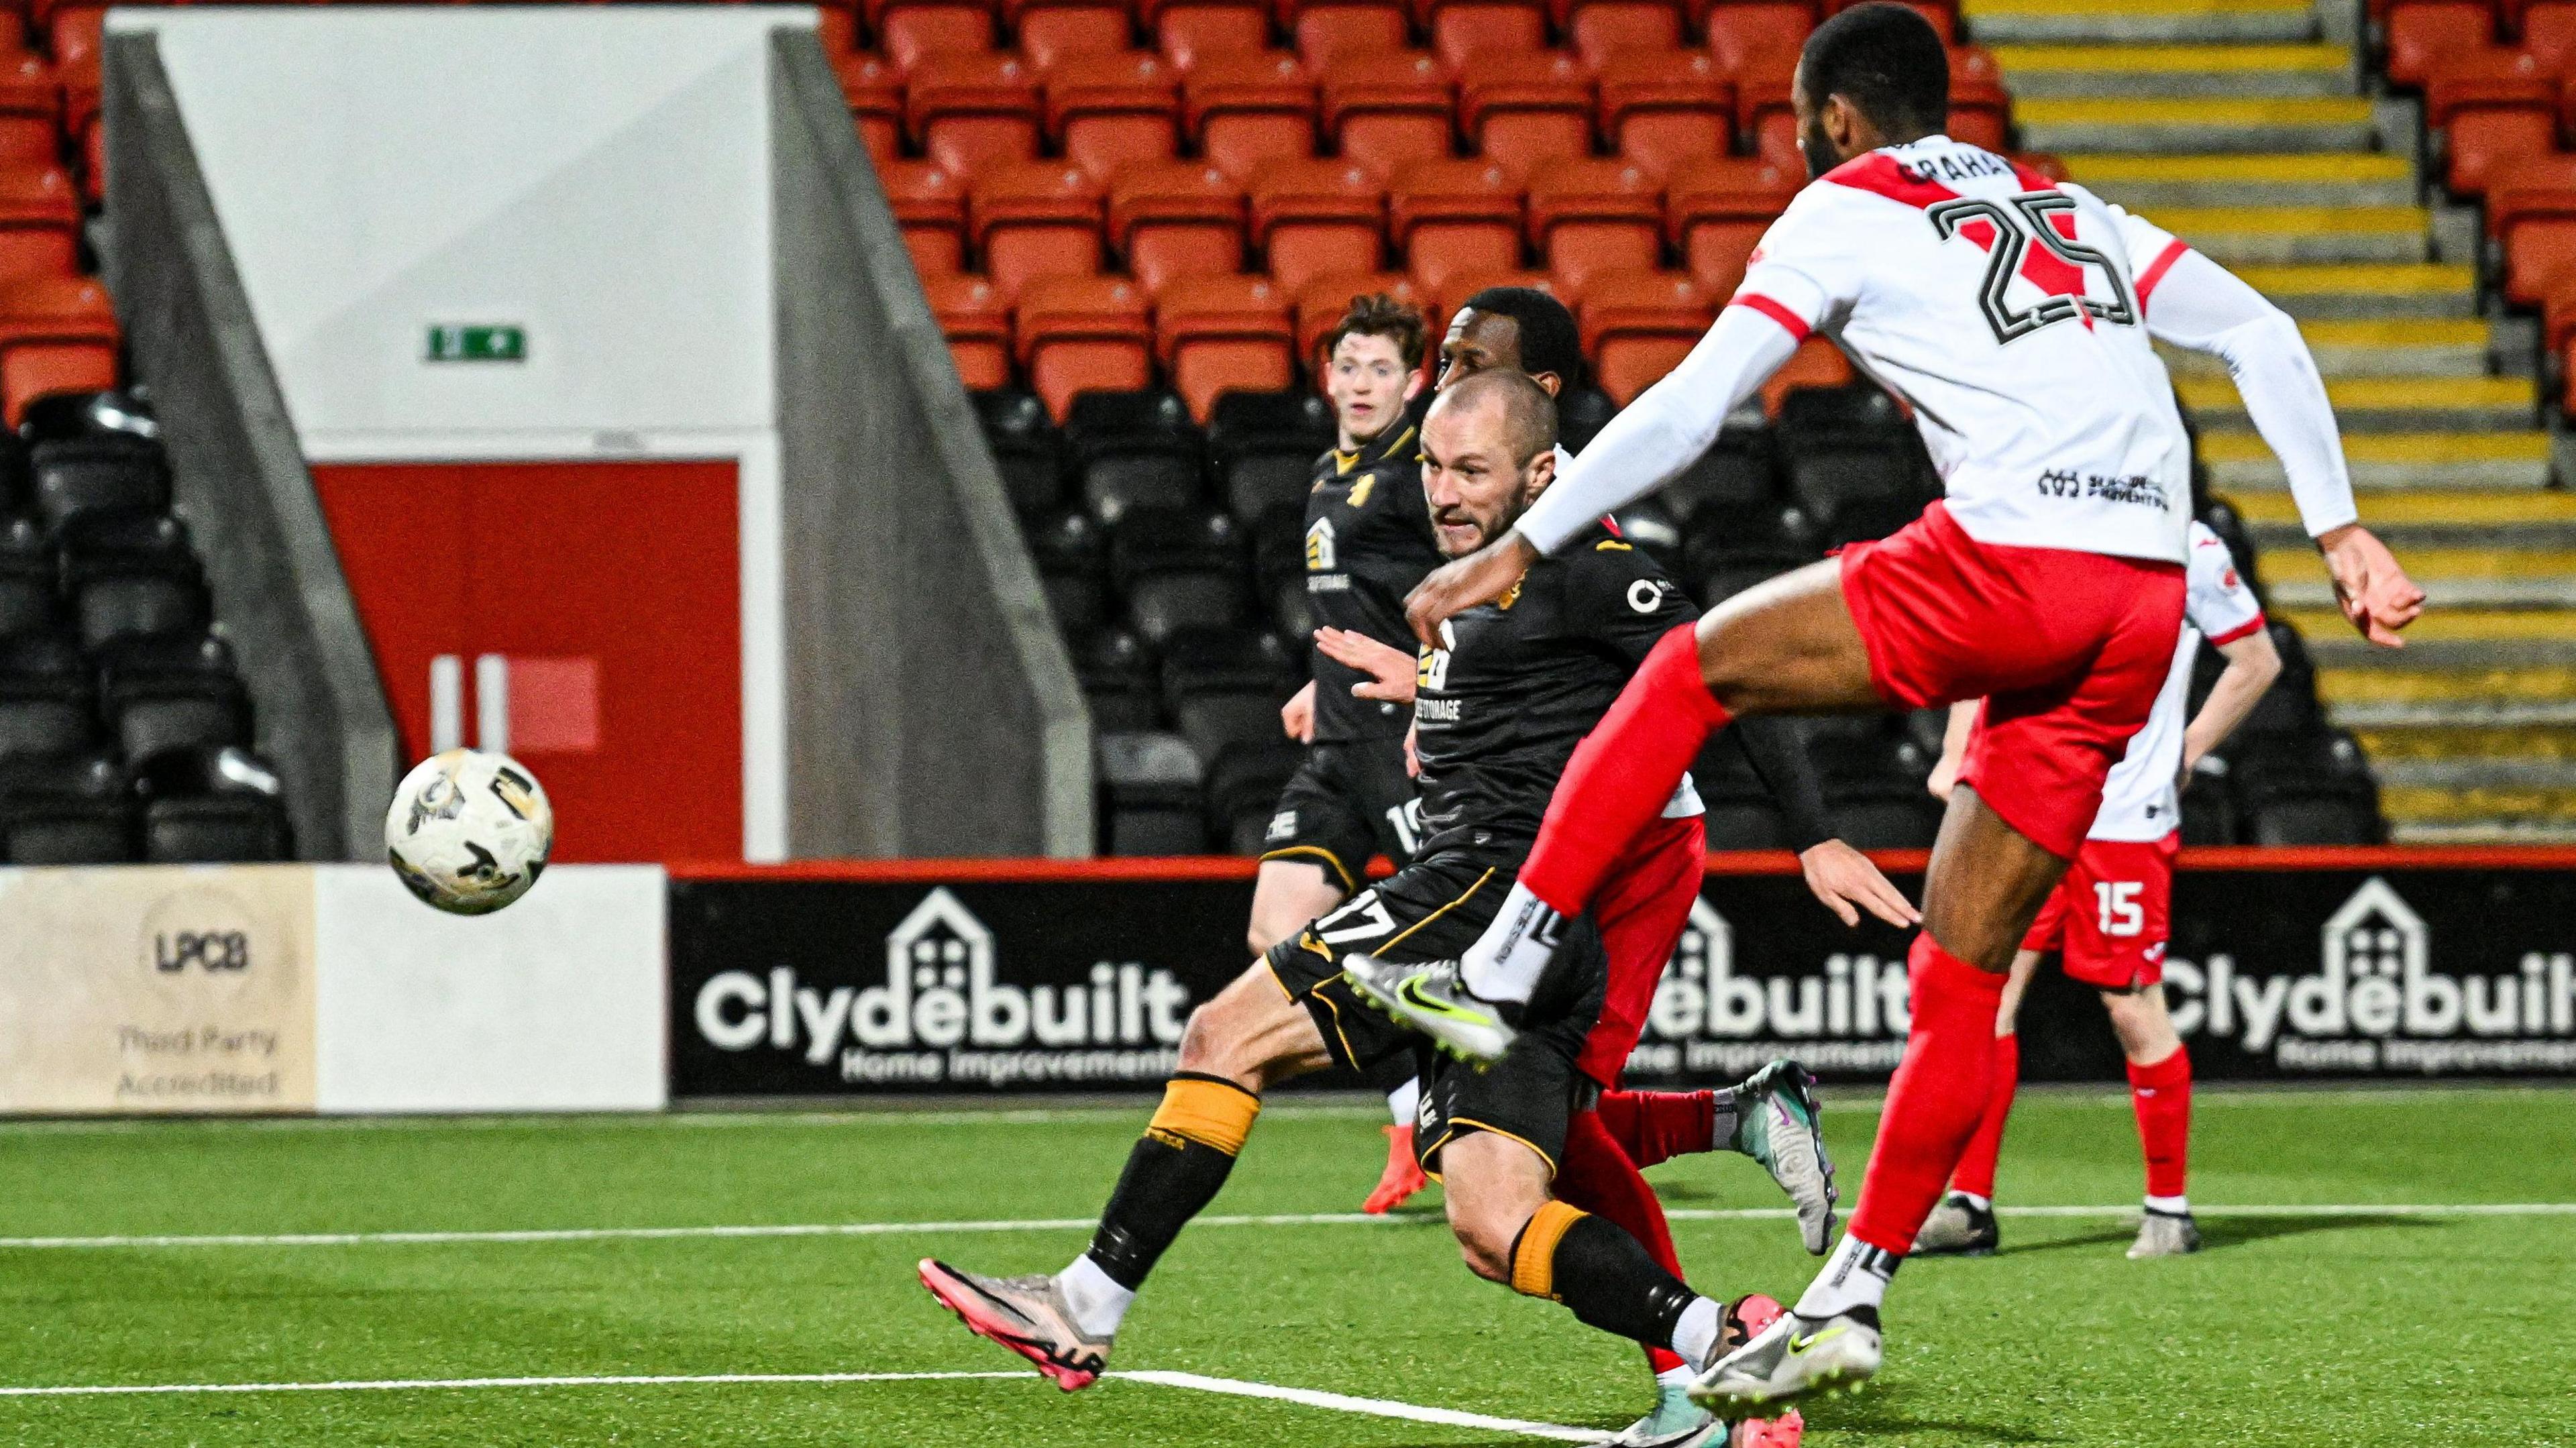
(2312,789)
(48,700)
(2208,806)
(1072,554)
(212,804)
(30,580)
(1150,795)
(1727,550)
(1581,413)
(1224,687)
(1735,473)
(1118,681)
(100,471)
(1027,449)
(1263,446)
(65,809)
(1651,528)
(164,694)
(1178,568)
(1135,450)
(61,415)
(1873,777)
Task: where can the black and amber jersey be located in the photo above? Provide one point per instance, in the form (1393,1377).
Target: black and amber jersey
(1523,679)
(1368,541)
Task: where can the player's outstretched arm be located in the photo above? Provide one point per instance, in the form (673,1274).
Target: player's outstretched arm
(2252,664)
(2198,304)
(1646,446)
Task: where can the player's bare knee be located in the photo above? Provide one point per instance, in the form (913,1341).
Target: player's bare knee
(1485,1237)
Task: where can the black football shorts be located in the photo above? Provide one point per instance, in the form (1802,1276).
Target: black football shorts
(1346,803)
(1433,909)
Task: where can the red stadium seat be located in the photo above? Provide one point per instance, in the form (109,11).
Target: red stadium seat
(2422,33)
(1757,35)
(2549,38)
(1083,334)
(1453,216)
(1607,28)
(1637,325)
(1048,32)
(1322,300)
(1715,213)
(74,33)
(1667,111)
(1177,219)
(57,334)
(1526,110)
(2558,320)
(1225,334)
(31,112)
(2493,107)
(1248,112)
(1980,107)
(1313,218)
(2539,258)
(973,113)
(1191,31)
(874,90)
(836,28)
(1109,110)
(930,206)
(2528,188)
(1462,27)
(39,221)
(976,320)
(912,32)
(1595,216)
(1324,34)
(1041,218)
(1816,363)
(1387,110)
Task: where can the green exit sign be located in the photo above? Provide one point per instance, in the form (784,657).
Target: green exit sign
(499,343)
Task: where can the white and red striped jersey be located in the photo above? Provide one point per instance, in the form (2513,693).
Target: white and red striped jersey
(2009,311)
(2139,800)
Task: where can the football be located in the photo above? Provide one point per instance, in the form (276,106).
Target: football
(469,831)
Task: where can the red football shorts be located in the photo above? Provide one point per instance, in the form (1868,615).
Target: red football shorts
(2067,649)
(2112,914)
(1643,907)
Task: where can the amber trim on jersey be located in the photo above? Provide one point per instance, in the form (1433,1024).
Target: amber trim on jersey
(1451,1131)
(1350,882)
(1799,331)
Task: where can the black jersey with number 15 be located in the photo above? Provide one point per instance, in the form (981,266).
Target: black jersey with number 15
(1368,541)
(1523,679)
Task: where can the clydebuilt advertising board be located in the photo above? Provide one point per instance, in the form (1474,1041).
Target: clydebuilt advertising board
(966,977)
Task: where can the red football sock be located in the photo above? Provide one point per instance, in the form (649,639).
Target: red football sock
(1599,1178)
(1623,773)
(2161,1093)
(1653,1126)
(1976,1173)
(1933,1104)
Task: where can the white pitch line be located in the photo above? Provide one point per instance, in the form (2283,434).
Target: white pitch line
(1084,1224)
(1231,1387)
(1375,1407)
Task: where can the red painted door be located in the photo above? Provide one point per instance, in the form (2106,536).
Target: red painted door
(590,612)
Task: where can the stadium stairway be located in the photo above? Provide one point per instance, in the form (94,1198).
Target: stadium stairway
(2245,127)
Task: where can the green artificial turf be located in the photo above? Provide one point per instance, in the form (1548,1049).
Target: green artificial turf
(2368,1329)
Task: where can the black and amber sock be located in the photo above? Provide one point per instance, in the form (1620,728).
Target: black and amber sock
(1603,1275)
(1173,1173)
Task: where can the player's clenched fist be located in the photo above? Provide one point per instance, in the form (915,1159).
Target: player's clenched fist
(2369,583)
(1459,585)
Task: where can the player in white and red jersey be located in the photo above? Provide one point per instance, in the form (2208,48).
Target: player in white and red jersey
(2110,918)
(2014,316)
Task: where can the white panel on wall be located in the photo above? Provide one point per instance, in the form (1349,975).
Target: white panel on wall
(598,176)
(554,1004)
